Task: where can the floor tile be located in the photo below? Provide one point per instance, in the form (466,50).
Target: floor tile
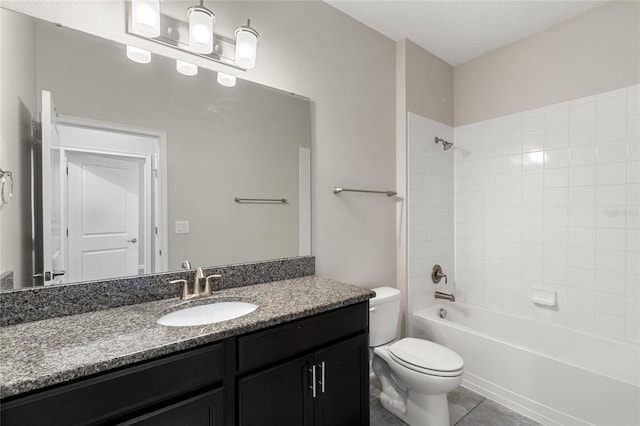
(492,413)
(379,416)
(374,388)
(461,401)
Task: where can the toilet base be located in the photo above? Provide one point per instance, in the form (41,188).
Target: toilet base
(421,409)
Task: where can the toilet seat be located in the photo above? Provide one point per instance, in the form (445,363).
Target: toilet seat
(426,357)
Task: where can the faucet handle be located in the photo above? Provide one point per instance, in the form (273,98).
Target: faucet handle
(185,288)
(207,285)
(437,275)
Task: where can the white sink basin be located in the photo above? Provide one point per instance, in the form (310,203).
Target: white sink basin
(207,314)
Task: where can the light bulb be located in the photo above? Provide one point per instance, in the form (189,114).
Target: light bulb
(186,68)
(246,46)
(145,17)
(201,22)
(138,55)
(225,79)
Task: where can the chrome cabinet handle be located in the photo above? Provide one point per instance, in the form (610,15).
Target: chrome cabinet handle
(313,380)
(322,375)
(133,240)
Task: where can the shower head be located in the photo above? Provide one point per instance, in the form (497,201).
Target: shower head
(446,145)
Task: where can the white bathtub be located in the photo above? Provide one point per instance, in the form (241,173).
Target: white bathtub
(552,374)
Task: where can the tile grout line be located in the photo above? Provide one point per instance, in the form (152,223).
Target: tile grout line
(469,412)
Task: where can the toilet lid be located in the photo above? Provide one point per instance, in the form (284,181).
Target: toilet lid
(426,356)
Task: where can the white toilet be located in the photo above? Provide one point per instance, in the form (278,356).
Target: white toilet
(415,374)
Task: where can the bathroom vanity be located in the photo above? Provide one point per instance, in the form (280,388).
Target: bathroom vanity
(300,359)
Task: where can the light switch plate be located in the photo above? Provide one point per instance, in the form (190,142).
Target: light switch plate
(182,226)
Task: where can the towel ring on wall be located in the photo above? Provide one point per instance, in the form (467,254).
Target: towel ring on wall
(4,174)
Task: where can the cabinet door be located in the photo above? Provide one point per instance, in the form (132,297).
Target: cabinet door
(202,410)
(277,396)
(343,383)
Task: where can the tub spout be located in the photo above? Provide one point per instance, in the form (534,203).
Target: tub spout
(445,296)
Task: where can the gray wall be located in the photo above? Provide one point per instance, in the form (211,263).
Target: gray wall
(591,53)
(18,76)
(348,70)
(429,84)
(222,143)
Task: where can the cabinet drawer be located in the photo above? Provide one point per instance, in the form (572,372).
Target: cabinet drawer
(201,410)
(109,395)
(283,341)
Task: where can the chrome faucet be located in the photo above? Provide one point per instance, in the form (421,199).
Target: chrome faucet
(445,296)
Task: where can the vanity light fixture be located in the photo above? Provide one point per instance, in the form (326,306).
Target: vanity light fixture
(186,68)
(138,55)
(145,17)
(246,46)
(194,35)
(225,79)
(201,22)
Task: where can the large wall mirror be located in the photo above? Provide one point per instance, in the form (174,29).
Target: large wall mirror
(133,168)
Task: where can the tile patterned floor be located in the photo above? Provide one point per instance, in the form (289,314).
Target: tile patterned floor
(466,408)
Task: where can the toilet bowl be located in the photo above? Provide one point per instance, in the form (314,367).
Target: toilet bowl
(415,374)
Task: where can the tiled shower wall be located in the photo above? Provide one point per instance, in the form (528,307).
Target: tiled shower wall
(430,215)
(550,198)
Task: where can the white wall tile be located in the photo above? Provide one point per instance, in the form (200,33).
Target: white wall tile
(582,155)
(582,176)
(611,107)
(533,179)
(610,303)
(633,172)
(556,116)
(581,278)
(611,195)
(633,127)
(633,103)
(611,239)
(611,130)
(556,138)
(612,152)
(555,178)
(582,216)
(555,158)
(611,174)
(610,325)
(582,112)
(582,195)
(533,141)
(581,237)
(550,197)
(582,135)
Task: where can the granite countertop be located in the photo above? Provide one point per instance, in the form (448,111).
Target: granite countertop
(42,353)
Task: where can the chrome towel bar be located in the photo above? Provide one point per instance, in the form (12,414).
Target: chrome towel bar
(337,190)
(261,200)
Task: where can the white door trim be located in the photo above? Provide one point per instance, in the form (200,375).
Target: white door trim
(160,245)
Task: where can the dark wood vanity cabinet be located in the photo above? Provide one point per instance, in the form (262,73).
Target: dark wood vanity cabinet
(323,379)
(117,396)
(261,378)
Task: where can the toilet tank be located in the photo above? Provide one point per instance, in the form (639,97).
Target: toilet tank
(384,313)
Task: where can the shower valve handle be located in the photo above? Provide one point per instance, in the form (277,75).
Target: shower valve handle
(437,275)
